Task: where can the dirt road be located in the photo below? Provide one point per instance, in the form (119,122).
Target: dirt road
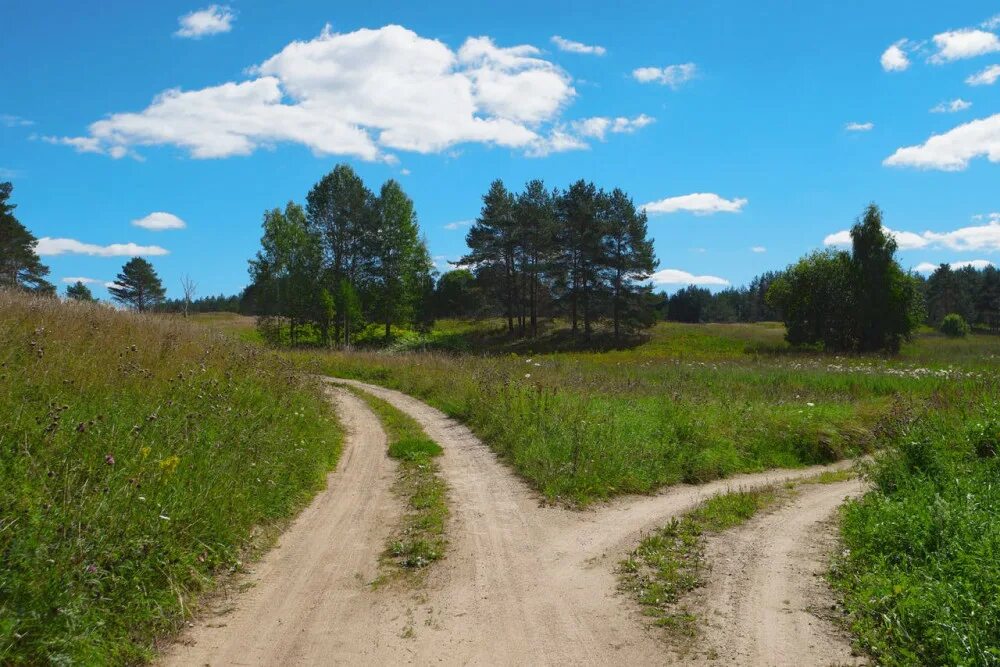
(767,586)
(522,583)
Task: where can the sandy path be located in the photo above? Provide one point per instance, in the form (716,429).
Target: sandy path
(309,601)
(767,586)
(522,583)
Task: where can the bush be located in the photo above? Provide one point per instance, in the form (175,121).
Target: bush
(921,570)
(953,325)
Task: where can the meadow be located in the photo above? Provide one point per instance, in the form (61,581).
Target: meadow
(140,458)
(689,404)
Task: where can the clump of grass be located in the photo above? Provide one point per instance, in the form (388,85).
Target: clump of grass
(420,539)
(670,562)
(139,457)
(920,573)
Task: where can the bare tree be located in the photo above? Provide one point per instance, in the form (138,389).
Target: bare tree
(190,288)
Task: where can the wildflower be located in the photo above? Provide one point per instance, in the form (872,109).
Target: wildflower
(527,375)
(811,405)
(169,464)
(145,451)
(91,569)
(108,459)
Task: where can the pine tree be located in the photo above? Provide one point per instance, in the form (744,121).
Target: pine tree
(535,221)
(629,257)
(79,292)
(138,286)
(20,266)
(492,242)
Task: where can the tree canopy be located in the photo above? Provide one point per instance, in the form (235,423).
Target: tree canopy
(137,286)
(20,266)
(79,292)
(859,301)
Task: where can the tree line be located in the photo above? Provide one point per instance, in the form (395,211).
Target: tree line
(349,257)
(581,252)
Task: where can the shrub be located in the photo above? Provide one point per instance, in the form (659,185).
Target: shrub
(953,325)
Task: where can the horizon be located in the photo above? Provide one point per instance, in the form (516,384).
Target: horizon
(751,135)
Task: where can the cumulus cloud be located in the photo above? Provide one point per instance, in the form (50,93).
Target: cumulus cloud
(905,240)
(930,267)
(860,127)
(984,237)
(598,126)
(80,279)
(361,94)
(960,44)
(47,246)
(678,277)
(951,107)
(952,150)
(159,220)
(894,58)
(758,249)
(699,203)
(570,46)
(986,77)
(212,20)
(671,75)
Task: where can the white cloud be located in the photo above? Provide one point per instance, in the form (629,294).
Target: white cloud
(953,106)
(577,47)
(212,20)
(699,203)
(992,23)
(860,127)
(678,277)
(894,58)
(8,120)
(459,224)
(159,220)
(986,77)
(952,150)
(405,172)
(47,246)
(904,240)
(671,75)
(80,279)
(930,267)
(758,249)
(972,238)
(960,44)
(598,126)
(360,94)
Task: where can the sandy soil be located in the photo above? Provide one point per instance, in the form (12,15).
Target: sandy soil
(767,601)
(522,583)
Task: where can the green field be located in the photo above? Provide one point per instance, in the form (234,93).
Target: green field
(140,457)
(691,403)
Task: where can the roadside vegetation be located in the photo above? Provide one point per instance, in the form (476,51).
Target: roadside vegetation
(139,458)
(420,539)
(670,562)
(920,572)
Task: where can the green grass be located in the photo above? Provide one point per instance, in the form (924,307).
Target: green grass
(140,456)
(420,539)
(920,573)
(694,403)
(670,562)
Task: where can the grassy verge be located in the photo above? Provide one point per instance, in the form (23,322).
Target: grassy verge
(920,573)
(671,561)
(420,539)
(139,457)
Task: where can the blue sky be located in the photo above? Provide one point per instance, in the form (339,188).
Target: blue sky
(755,131)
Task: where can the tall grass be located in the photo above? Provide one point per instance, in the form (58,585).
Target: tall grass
(586,426)
(139,457)
(921,570)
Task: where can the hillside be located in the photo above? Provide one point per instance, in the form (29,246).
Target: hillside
(139,457)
